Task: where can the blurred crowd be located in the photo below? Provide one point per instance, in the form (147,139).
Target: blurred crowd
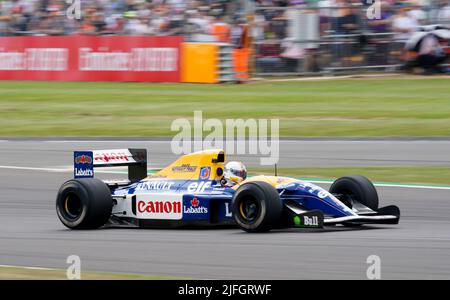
(187,17)
(348,34)
(112,17)
(268,26)
(349,16)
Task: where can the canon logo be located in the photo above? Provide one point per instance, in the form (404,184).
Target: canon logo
(159,207)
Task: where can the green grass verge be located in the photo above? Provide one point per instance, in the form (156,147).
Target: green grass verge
(356,107)
(55,274)
(412,175)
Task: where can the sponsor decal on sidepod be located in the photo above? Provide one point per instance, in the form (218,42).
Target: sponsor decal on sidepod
(195,208)
(159,207)
(154,185)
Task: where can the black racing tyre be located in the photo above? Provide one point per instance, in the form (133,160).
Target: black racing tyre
(257,207)
(84,203)
(355,188)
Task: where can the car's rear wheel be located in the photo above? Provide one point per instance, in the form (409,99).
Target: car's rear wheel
(84,203)
(355,188)
(257,207)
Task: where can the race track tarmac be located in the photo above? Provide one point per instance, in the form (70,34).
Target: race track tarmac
(419,247)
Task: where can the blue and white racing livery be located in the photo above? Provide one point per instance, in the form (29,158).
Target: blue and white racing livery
(191,192)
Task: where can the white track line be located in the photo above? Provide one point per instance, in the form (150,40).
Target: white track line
(58,170)
(101,141)
(409,186)
(70,170)
(113,170)
(28,268)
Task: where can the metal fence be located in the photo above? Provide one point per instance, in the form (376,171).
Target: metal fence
(329,40)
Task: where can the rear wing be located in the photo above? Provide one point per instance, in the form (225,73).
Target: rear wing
(84,162)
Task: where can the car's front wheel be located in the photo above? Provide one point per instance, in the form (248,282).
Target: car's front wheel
(257,207)
(84,203)
(355,188)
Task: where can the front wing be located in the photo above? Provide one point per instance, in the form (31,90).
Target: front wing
(316,219)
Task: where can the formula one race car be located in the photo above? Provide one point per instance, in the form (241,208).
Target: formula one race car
(190,192)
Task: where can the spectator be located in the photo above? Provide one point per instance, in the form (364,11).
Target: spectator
(5,17)
(404,24)
(383,23)
(137,25)
(381,43)
(221,30)
(87,27)
(347,25)
(52,22)
(176,24)
(417,13)
(268,58)
(116,25)
(431,54)
(200,19)
(444,14)
(258,26)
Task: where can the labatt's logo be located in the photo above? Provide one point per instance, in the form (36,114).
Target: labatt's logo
(84,172)
(195,208)
(83,164)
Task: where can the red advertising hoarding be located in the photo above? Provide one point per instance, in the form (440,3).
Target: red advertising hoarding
(90,58)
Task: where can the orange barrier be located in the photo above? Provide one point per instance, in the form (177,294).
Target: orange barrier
(211,63)
(199,63)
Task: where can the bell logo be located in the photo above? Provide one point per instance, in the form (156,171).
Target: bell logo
(311,221)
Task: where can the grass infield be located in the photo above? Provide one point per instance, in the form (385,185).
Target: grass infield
(27,273)
(335,108)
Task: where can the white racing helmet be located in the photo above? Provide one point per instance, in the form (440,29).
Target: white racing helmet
(235,172)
